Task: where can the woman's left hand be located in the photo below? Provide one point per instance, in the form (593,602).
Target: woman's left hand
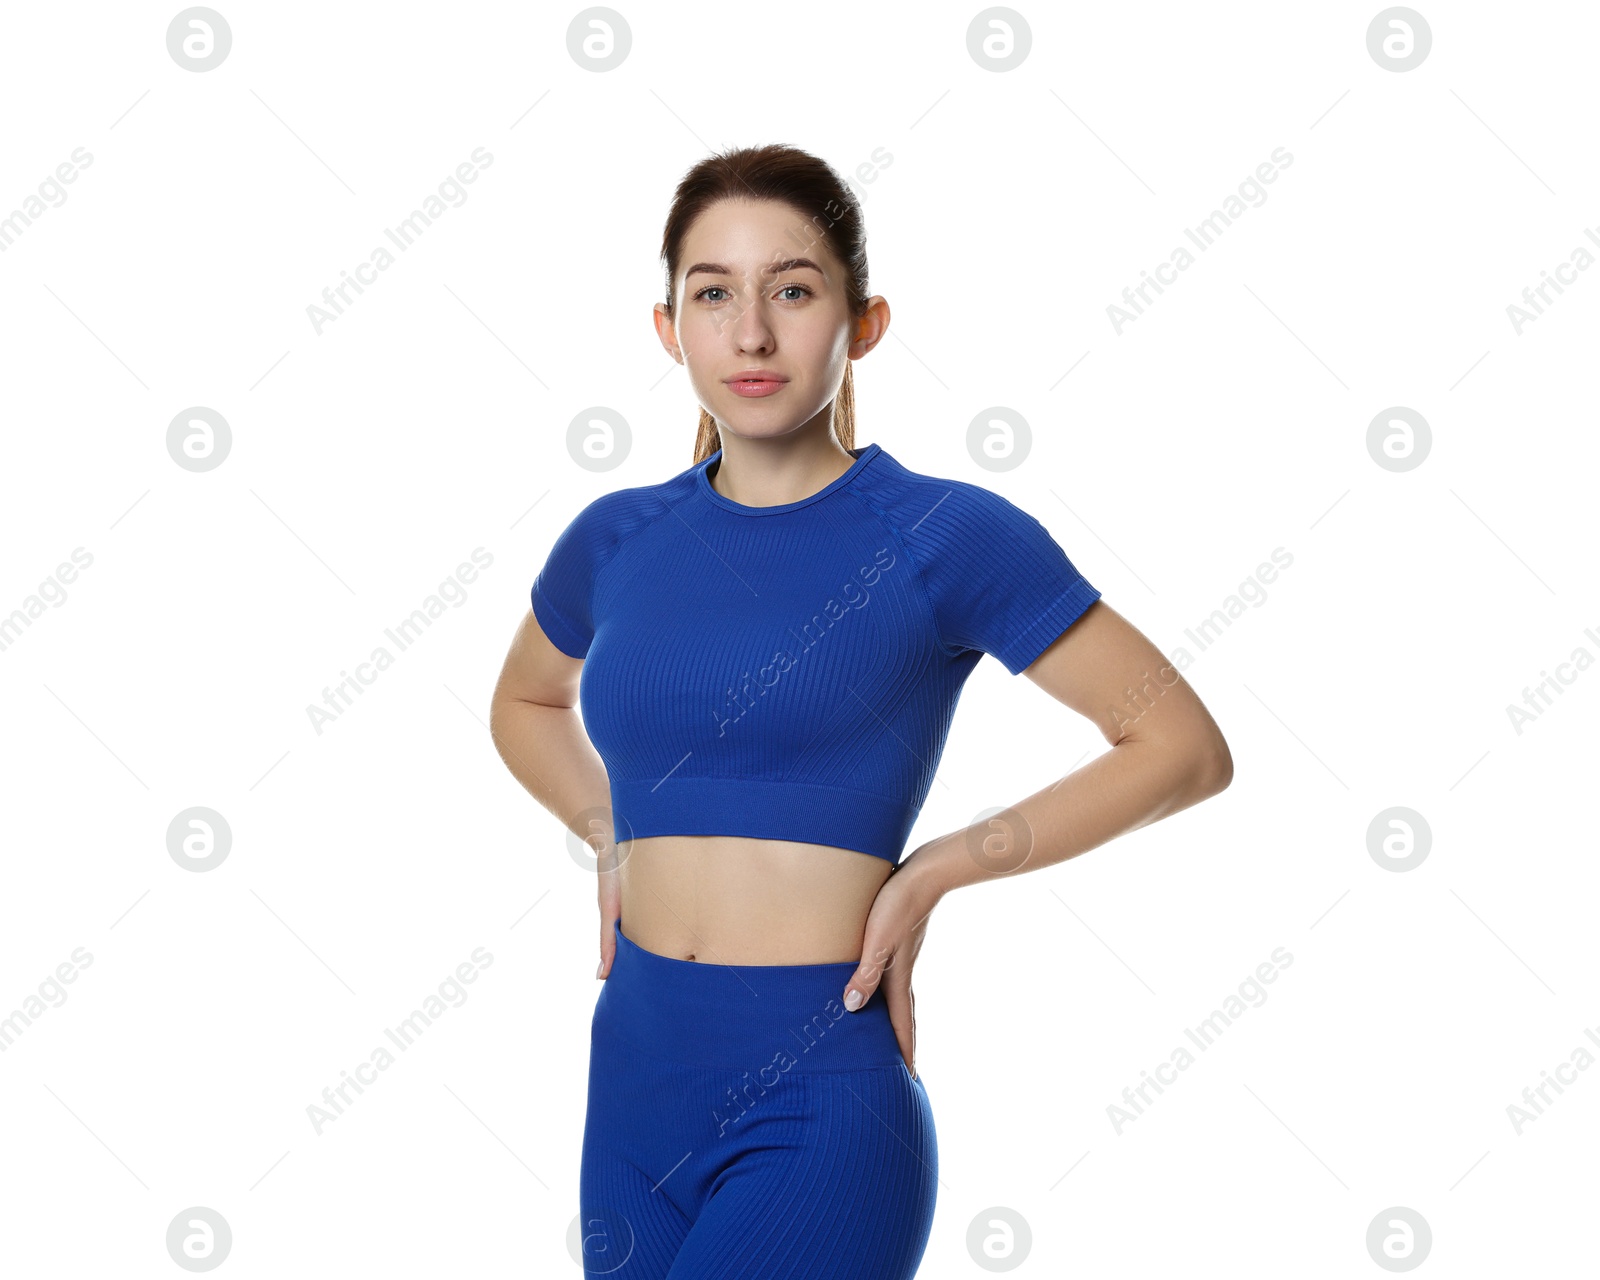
(894,931)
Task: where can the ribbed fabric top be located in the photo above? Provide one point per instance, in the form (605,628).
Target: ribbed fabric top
(791,672)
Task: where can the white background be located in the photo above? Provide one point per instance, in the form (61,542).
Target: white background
(369,860)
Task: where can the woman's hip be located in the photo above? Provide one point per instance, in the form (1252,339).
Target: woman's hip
(768,1020)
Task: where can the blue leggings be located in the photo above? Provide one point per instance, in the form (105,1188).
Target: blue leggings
(742,1124)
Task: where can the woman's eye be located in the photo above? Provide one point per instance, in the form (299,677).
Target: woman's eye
(788,288)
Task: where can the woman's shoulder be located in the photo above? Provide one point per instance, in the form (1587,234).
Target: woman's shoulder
(592,538)
(628,509)
(920,503)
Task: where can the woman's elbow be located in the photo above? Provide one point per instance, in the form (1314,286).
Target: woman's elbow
(1214,766)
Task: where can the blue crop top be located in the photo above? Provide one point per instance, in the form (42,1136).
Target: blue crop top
(791,672)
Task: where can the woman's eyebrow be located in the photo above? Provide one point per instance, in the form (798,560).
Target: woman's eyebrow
(788,264)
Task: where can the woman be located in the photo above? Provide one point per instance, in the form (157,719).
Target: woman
(769,648)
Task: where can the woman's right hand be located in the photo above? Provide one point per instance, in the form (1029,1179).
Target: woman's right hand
(610,895)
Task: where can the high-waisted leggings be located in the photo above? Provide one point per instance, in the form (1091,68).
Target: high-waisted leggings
(742,1124)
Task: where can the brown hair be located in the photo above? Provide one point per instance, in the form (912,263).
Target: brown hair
(810,187)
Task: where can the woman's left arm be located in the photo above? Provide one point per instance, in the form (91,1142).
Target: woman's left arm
(1167,754)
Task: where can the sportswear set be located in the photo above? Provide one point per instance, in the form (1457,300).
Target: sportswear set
(788,672)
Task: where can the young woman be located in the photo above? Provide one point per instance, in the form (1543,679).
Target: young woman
(769,647)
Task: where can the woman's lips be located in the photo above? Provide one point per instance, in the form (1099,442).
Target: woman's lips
(755,387)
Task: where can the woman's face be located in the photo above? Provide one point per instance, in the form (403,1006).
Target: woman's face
(759,288)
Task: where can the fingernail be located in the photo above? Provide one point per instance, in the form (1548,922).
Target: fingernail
(601,969)
(852,1000)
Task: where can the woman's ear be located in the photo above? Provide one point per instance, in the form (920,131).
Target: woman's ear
(666,330)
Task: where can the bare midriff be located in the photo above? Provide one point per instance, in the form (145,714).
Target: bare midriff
(737,900)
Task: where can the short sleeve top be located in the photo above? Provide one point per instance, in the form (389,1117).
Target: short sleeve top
(791,672)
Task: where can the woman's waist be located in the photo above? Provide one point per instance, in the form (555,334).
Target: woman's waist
(728,900)
(776,1018)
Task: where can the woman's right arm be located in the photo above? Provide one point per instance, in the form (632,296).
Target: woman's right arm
(538,732)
